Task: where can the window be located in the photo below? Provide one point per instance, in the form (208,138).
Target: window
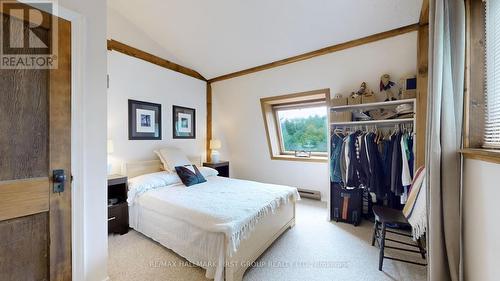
(297,123)
(492,109)
(302,128)
(482,83)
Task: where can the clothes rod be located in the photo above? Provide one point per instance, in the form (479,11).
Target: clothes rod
(374,122)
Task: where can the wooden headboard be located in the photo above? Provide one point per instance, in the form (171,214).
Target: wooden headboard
(137,168)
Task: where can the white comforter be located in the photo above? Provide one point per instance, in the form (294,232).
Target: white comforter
(225,205)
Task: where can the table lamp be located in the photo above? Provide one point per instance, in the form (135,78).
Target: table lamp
(214,146)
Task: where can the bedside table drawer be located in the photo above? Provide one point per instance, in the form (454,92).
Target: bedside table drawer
(118,218)
(116,210)
(113,224)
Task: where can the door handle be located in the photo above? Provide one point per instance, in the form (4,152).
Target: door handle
(59,178)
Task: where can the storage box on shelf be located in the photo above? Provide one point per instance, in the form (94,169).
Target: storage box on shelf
(369,99)
(354,100)
(340,116)
(338,101)
(408,94)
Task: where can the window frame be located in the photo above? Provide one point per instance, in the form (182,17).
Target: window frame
(309,104)
(270,107)
(475,86)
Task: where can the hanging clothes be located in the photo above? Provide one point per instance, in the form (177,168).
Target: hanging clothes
(411,158)
(397,164)
(336,141)
(375,182)
(343,160)
(386,167)
(405,155)
(379,162)
(353,164)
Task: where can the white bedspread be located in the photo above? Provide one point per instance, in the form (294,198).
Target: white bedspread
(225,205)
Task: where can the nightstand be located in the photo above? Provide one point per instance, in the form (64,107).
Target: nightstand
(117,204)
(222,167)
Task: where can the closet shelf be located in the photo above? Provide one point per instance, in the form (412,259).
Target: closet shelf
(373,105)
(374,122)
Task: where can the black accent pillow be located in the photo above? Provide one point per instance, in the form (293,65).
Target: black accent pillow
(189,177)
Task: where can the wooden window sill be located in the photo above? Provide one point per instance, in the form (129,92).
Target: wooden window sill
(321,159)
(488,155)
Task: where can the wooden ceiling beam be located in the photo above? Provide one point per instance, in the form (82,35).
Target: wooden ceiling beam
(320,52)
(134,52)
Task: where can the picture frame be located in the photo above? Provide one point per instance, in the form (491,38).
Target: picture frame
(183,122)
(144,120)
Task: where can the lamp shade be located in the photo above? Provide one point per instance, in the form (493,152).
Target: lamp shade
(111,147)
(215,144)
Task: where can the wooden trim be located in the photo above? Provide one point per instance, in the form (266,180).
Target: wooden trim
(60,156)
(487,155)
(297,104)
(320,52)
(318,159)
(23,197)
(265,111)
(422,93)
(131,51)
(424,12)
(466,123)
(305,95)
(269,119)
(474,98)
(277,127)
(209,120)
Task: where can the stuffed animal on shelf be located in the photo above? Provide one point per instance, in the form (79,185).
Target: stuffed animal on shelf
(363,91)
(387,86)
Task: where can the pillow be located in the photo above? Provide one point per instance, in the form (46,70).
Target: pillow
(190,175)
(208,172)
(161,159)
(172,157)
(140,184)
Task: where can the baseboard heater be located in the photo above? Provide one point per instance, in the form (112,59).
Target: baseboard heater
(311,194)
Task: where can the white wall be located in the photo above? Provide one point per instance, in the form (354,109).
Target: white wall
(131,78)
(481,215)
(122,30)
(237,116)
(93,108)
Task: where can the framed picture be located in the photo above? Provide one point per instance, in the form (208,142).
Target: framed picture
(183,122)
(144,120)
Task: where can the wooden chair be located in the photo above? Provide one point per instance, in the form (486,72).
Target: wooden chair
(386,216)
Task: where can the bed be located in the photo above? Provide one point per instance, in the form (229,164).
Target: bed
(223,235)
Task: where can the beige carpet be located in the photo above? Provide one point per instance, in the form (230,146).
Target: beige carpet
(313,250)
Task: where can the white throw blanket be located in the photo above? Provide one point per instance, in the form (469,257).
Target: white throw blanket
(224,205)
(415,209)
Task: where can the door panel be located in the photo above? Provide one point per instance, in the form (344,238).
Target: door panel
(35,139)
(24,248)
(24,124)
(23,197)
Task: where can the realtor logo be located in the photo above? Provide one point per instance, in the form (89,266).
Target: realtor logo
(29,34)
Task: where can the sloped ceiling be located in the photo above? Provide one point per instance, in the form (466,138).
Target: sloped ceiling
(222,36)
